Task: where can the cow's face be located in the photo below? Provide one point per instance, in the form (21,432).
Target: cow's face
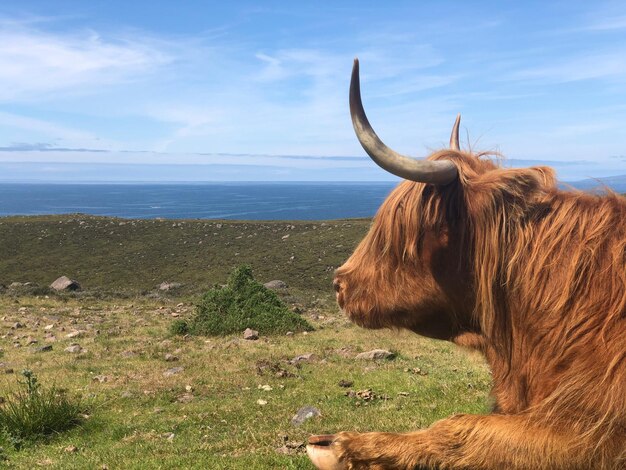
(407,272)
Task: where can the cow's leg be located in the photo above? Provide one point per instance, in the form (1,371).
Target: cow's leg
(491,442)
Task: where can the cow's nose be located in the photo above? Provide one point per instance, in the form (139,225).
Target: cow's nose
(336,285)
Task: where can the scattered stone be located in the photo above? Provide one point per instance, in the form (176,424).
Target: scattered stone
(305,413)
(289,333)
(65,283)
(165,286)
(416,370)
(303,358)
(173,371)
(291,447)
(126,394)
(22,309)
(170,358)
(47,347)
(185,398)
(48,327)
(75,334)
(375,354)
(17,325)
(169,436)
(276,284)
(100,378)
(266,388)
(365,395)
(189,388)
(261,402)
(250,334)
(345,383)
(73,348)
(30,340)
(71,449)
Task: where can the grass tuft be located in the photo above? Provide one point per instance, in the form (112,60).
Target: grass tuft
(33,412)
(243,303)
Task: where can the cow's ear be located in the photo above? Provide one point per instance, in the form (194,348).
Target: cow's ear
(511,190)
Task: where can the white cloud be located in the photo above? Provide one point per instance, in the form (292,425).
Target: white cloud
(35,63)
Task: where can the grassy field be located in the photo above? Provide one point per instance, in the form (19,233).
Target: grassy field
(231,402)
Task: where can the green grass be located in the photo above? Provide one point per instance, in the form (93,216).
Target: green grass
(33,412)
(146,413)
(218,423)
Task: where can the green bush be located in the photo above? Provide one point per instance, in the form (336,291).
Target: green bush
(244,303)
(179,327)
(33,412)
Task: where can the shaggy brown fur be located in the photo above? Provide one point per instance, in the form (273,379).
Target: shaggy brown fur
(534,277)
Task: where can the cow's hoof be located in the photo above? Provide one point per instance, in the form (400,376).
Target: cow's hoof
(321,453)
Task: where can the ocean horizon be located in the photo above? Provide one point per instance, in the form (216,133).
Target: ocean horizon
(271,200)
(192,200)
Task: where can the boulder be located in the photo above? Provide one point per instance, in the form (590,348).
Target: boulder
(65,283)
(165,286)
(376,354)
(250,334)
(276,284)
(305,413)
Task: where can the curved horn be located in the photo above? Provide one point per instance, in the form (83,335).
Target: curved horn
(454,137)
(435,172)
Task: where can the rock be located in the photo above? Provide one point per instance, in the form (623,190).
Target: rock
(345,383)
(75,334)
(185,398)
(47,347)
(267,388)
(170,358)
(165,286)
(375,354)
(100,378)
(73,348)
(173,371)
(17,325)
(276,284)
(30,340)
(289,333)
(305,413)
(250,334)
(71,449)
(65,283)
(261,402)
(303,358)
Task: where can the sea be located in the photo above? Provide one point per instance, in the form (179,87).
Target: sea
(237,201)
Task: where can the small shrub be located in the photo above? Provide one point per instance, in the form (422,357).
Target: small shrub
(179,327)
(33,412)
(244,303)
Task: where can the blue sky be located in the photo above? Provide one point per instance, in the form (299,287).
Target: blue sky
(210,91)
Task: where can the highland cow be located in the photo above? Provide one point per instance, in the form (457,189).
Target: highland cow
(503,261)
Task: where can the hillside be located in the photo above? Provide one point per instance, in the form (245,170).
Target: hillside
(135,256)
